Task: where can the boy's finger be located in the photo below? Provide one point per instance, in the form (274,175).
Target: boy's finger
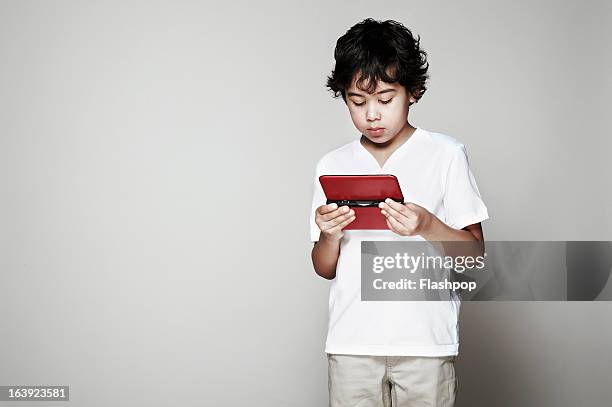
(342,217)
(332,224)
(391,210)
(335,213)
(345,222)
(389,224)
(323,209)
(394,223)
(394,204)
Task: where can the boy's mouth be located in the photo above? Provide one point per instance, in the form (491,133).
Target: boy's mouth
(376,130)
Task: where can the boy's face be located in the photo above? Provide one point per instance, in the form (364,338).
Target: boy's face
(382,115)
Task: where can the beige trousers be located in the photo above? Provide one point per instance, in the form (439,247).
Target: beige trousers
(391,381)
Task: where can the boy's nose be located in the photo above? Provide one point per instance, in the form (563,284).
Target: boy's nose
(372,114)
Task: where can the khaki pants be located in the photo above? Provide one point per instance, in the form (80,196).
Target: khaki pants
(391,381)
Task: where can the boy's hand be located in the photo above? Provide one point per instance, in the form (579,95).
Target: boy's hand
(331,219)
(405,219)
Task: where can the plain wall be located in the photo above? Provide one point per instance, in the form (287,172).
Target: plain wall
(156,164)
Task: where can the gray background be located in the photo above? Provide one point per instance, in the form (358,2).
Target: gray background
(156,165)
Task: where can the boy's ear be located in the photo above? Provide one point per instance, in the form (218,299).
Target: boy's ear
(411,98)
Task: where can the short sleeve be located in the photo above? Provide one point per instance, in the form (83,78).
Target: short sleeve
(463,204)
(318,199)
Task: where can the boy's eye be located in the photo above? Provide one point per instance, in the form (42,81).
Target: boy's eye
(384,102)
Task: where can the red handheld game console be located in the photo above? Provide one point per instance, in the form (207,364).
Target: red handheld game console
(362,193)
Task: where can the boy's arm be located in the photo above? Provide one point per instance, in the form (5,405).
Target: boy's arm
(411,219)
(330,219)
(325,255)
(439,231)
(476,231)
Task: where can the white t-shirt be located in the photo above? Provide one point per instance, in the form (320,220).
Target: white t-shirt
(433,172)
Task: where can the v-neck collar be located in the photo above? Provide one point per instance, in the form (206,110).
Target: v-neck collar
(397,151)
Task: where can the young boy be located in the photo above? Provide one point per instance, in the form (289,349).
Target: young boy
(383,353)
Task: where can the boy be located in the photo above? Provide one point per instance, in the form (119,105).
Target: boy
(383,353)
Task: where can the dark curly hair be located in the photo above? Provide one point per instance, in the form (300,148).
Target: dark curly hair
(379,50)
